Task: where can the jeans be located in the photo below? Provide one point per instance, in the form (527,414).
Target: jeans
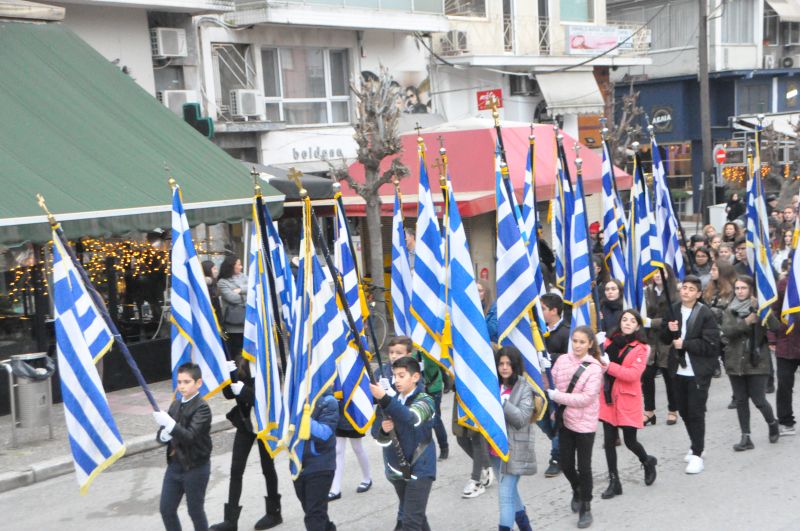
(242,443)
(312,491)
(752,387)
(571,442)
(438,424)
(691,401)
(649,387)
(610,444)
(475,446)
(510,500)
(783,398)
(193,483)
(413,496)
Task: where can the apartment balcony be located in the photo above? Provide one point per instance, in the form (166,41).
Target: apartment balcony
(393,15)
(194,7)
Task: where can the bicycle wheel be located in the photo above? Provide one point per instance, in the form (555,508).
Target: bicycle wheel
(378,323)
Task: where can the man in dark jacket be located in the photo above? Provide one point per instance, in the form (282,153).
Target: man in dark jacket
(186,430)
(692,359)
(787,355)
(557,343)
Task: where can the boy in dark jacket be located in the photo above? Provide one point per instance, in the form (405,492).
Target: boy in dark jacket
(186,430)
(695,344)
(408,451)
(319,464)
(556,343)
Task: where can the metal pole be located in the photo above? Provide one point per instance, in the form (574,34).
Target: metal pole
(705,113)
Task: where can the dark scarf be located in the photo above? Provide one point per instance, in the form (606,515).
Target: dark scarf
(616,352)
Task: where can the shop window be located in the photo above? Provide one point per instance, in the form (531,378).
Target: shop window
(577,10)
(737,22)
(465,8)
(306,86)
(678,165)
(753,98)
(20,283)
(791,33)
(772,25)
(674,26)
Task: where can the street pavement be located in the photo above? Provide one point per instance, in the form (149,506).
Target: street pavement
(754,490)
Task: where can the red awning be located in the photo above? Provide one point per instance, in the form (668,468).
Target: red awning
(470,149)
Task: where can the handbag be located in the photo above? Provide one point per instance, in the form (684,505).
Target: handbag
(234,315)
(570,388)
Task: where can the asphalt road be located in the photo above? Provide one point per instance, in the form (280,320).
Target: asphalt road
(754,490)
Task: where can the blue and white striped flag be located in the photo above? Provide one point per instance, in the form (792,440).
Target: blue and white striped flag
(759,256)
(427,285)
(560,210)
(666,221)
(281,273)
(195,331)
(791,297)
(477,392)
(579,274)
(352,380)
(516,290)
(643,257)
(401,274)
(530,227)
(319,338)
(259,345)
(613,250)
(82,338)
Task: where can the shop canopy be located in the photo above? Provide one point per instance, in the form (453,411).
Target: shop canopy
(787,10)
(571,93)
(470,150)
(76,129)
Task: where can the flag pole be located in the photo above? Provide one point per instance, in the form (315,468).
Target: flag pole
(262,221)
(99,304)
(447,332)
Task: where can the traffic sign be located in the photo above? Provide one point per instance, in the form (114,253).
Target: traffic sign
(719,155)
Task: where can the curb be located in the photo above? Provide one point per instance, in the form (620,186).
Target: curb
(53,468)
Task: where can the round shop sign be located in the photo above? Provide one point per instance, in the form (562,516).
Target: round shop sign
(662,119)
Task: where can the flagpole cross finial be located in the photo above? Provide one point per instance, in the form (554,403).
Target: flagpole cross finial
(295,175)
(256,185)
(170,179)
(495,113)
(420,140)
(50,217)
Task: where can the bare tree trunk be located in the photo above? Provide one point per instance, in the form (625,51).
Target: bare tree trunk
(375,248)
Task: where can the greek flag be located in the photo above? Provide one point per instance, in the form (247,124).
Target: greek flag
(477,392)
(352,379)
(579,274)
(643,257)
(195,331)
(666,221)
(560,207)
(791,298)
(516,290)
(427,285)
(319,337)
(82,338)
(401,274)
(613,252)
(259,345)
(281,272)
(530,228)
(759,256)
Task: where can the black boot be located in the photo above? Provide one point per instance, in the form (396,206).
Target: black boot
(744,444)
(231,519)
(614,486)
(585,518)
(273,516)
(523,523)
(575,504)
(774,432)
(650,470)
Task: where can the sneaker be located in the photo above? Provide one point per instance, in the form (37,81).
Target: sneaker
(695,465)
(787,430)
(473,489)
(689,455)
(553,470)
(487,477)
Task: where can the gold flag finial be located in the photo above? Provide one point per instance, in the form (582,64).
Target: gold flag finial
(50,217)
(294,174)
(493,103)
(256,185)
(170,180)
(420,140)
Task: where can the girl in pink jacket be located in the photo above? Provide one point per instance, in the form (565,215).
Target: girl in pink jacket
(579,408)
(621,403)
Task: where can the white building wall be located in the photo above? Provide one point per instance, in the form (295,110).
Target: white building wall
(116,33)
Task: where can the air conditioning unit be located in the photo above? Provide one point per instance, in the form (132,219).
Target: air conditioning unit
(168,42)
(245,102)
(454,42)
(524,86)
(769,62)
(175,99)
(790,61)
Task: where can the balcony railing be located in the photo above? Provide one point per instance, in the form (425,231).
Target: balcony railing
(508,33)
(434,7)
(544,36)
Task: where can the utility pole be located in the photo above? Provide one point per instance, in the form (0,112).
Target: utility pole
(707,176)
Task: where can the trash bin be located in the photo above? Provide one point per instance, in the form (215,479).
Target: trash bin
(31,395)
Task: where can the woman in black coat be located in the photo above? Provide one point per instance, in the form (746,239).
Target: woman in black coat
(611,306)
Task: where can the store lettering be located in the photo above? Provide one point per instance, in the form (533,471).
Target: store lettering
(317,153)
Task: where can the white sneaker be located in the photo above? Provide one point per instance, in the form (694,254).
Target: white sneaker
(689,455)
(695,465)
(487,477)
(473,489)
(786,431)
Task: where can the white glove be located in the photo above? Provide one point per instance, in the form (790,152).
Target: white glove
(236,387)
(648,323)
(551,394)
(384,383)
(230,365)
(162,418)
(544,361)
(164,436)
(604,359)
(601,338)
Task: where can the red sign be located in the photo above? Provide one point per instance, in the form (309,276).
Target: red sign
(719,155)
(485,99)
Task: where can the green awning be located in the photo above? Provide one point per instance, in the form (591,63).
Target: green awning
(76,129)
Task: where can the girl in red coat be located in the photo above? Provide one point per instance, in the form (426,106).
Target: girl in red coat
(621,407)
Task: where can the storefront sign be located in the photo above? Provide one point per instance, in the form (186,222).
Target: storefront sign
(661,118)
(308,145)
(591,40)
(485,98)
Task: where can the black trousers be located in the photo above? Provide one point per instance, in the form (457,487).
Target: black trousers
(783,398)
(438,424)
(193,483)
(413,496)
(242,443)
(610,444)
(312,491)
(746,388)
(649,387)
(476,447)
(570,443)
(691,401)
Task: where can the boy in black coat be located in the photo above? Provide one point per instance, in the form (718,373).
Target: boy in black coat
(186,430)
(694,334)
